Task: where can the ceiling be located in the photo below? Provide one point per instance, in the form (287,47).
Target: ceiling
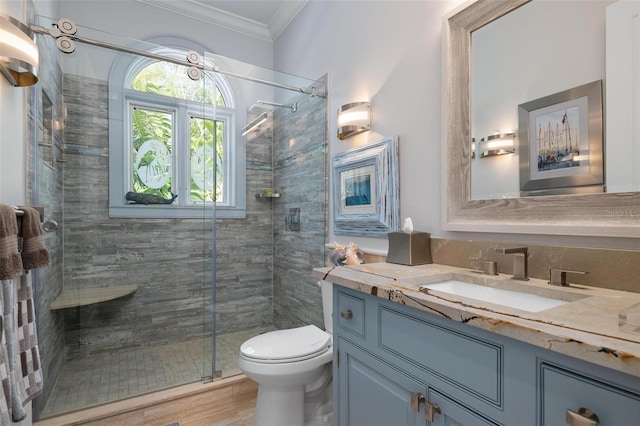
(264,19)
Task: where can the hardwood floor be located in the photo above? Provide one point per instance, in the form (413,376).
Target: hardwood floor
(228,402)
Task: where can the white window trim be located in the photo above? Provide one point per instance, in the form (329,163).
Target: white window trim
(120,97)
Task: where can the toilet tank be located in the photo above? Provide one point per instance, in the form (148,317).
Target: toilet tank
(327,304)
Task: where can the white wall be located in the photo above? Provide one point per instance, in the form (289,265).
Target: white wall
(388,52)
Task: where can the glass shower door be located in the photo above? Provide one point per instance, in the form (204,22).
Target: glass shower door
(104,349)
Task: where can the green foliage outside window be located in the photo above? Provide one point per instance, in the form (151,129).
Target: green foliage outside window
(205,158)
(206,135)
(151,126)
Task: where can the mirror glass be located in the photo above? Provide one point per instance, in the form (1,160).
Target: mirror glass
(544,48)
(604,214)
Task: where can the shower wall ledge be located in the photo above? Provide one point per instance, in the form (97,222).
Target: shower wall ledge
(89,296)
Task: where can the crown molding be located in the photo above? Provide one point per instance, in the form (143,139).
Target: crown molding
(284,16)
(212,15)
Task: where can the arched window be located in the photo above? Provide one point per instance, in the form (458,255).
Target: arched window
(172,138)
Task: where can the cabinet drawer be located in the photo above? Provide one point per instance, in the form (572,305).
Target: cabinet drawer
(562,390)
(351,314)
(471,364)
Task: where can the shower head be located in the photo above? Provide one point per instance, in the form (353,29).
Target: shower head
(254,123)
(293,107)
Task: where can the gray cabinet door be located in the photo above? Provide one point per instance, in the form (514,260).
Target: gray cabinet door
(450,413)
(373,393)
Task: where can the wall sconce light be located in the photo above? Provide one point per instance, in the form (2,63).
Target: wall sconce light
(473,148)
(255,123)
(353,118)
(18,52)
(498,144)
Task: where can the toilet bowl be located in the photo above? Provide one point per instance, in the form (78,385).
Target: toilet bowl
(287,365)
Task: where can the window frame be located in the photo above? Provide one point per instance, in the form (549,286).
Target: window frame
(121,99)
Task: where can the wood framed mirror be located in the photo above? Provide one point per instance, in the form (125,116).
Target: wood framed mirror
(603,214)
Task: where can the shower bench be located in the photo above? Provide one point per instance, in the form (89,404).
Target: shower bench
(89,296)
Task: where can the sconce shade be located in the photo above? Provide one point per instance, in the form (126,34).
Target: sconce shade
(18,52)
(498,144)
(353,118)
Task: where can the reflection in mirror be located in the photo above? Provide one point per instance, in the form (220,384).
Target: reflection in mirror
(603,214)
(537,50)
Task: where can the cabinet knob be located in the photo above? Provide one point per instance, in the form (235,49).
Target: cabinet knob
(416,399)
(584,417)
(430,411)
(346,314)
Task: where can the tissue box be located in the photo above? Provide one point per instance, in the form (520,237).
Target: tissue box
(409,248)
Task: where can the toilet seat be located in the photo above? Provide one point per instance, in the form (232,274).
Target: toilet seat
(282,346)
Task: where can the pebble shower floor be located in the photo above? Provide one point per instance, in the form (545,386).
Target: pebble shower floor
(109,377)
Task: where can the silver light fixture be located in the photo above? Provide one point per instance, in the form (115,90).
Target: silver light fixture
(353,118)
(18,52)
(498,144)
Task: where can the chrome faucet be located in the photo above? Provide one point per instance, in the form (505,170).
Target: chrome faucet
(520,255)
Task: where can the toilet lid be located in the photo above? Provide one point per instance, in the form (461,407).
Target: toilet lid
(287,345)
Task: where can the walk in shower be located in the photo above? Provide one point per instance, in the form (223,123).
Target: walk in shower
(141,297)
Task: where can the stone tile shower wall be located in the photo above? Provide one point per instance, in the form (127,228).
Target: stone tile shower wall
(244,249)
(169,259)
(301,176)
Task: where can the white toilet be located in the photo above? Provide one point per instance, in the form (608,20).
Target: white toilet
(289,364)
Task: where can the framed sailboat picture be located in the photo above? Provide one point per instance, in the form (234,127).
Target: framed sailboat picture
(561,142)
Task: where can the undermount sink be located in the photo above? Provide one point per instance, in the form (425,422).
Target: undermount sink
(514,299)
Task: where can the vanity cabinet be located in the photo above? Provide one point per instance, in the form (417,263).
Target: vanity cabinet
(396,365)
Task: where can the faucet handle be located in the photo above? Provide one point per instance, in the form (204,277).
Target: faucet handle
(488,267)
(559,276)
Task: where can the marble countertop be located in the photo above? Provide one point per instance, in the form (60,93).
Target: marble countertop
(586,328)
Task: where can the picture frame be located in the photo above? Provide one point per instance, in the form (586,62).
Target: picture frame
(561,142)
(366,190)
